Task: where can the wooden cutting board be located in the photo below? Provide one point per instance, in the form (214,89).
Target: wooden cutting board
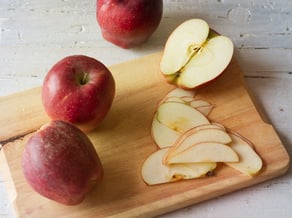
(123,142)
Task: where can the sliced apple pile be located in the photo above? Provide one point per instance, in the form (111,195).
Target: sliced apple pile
(178,112)
(190,146)
(194,55)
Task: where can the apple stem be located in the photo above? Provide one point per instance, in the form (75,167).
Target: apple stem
(84,79)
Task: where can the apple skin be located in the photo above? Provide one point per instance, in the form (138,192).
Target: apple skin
(60,163)
(80,90)
(128,23)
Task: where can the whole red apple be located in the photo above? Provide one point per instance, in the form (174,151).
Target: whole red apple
(79,90)
(128,23)
(60,163)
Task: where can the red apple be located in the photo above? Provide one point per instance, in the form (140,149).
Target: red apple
(79,90)
(60,163)
(128,23)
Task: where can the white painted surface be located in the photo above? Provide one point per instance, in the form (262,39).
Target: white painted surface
(34,34)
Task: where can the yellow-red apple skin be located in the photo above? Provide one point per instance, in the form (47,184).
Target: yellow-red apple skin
(60,163)
(80,90)
(128,23)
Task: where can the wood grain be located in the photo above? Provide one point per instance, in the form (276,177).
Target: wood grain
(123,142)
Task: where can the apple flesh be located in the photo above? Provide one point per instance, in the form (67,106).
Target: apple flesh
(180,117)
(250,162)
(190,146)
(199,135)
(155,172)
(162,135)
(194,55)
(204,152)
(60,163)
(184,105)
(128,23)
(79,90)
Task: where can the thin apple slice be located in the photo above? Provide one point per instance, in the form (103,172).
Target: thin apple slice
(204,152)
(187,99)
(162,135)
(207,64)
(206,110)
(198,135)
(180,117)
(210,126)
(155,172)
(182,44)
(250,162)
(174,99)
(198,103)
(178,92)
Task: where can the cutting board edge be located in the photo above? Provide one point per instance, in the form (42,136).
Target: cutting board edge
(147,211)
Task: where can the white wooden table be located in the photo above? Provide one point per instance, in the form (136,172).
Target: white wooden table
(34,34)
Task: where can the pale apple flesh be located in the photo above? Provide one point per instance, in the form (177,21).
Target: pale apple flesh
(250,162)
(177,92)
(207,64)
(199,135)
(165,134)
(155,172)
(162,135)
(193,55)
(182,44)
(204,152)
(180,117)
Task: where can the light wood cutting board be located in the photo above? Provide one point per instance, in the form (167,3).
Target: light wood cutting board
(123,142)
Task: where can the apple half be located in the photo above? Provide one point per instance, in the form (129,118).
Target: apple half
(155,172)
(193,55)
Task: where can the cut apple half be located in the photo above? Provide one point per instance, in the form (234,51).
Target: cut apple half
(155,172)
(196,136)
(180,117)
(250,162)
(204,152)
(208,64)
(194,55)
(162,135)
(183,43)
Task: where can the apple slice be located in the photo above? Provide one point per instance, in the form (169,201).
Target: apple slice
(162,135)
(193,55)
(155,172)
(187,98)
(180,117)
(204,152)
(206,110)
(177,92)
(174,99)
(198,135)
(250,163)
(198,103)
